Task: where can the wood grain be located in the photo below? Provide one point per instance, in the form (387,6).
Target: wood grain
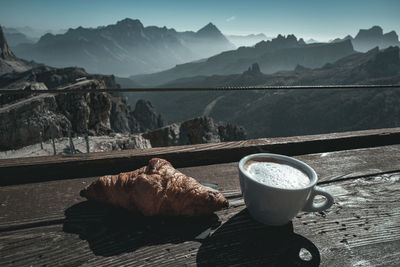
(364,223)
(49,224)
(38,169)
(56,195)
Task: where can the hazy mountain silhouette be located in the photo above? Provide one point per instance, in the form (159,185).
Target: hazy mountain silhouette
(14,37)
(206,42)
(124,48)
(373,67)
(281,53)
(367,39)
(247,40)
(31,32)
(312,41)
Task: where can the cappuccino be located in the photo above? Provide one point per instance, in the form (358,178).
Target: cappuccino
(276,174)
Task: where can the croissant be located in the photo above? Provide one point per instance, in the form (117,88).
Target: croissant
(156,189)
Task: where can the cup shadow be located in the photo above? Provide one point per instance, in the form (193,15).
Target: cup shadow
(244,242)
(110,231)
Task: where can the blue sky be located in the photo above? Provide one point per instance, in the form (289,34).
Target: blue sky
(319,19)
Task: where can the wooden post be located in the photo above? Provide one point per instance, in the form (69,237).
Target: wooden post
(52,138)
(71,143)
(87,143)
(40,138)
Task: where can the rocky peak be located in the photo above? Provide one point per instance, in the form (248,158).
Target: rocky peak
(375,31)
(367,39)
(5,51)
(253,70)
(146,116)
(302,42)
(210,30)
(74,33)
(391,36)
(130,24)
(280,42)
(385,63)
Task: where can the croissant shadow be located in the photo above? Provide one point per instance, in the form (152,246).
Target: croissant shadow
(111,231)
(243,241)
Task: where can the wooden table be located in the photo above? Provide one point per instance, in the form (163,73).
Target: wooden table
(48,223)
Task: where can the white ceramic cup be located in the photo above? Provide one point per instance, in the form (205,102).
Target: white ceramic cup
(277,206)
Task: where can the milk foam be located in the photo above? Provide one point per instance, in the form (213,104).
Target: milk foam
(278,175)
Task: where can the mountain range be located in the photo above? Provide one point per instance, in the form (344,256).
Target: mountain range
(295,112)
(128,48)
(372,67)
(29,119)
(367,39)
(124,48)
(285,60)
(280,53)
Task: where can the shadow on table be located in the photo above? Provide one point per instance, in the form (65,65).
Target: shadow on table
(111,231)
(243,241)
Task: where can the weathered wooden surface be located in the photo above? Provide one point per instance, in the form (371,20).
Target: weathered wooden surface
(48,223)
(13,171)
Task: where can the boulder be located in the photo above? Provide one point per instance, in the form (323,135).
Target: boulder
(196,131)
(89,113)
(121,118)
(22,122)
(146,116)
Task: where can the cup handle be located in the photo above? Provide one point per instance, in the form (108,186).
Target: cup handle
(311,206)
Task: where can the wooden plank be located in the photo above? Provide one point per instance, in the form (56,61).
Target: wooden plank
(329,166)
(26,170)
(362,228)
(52,197)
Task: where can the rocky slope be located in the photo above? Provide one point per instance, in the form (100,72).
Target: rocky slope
(28,119)
(94,114)
(143,118)
(293,112)
(124,48)
(281,53)
(111,142)
(8,61)
(54,115)
(373,67)
(195,131)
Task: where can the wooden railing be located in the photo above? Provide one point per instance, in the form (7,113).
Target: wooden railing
(38,169)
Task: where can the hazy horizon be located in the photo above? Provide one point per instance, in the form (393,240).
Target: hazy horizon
(319,20)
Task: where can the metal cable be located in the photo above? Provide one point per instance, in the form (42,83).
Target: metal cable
(202,89)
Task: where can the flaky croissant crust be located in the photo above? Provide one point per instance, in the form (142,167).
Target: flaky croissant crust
(156,189)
